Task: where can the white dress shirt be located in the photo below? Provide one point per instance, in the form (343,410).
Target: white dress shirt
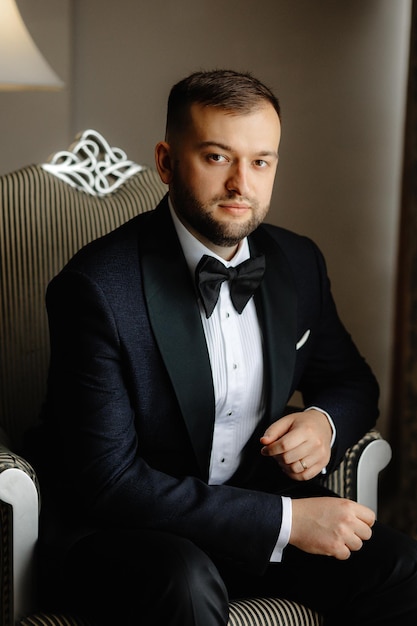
(234,343)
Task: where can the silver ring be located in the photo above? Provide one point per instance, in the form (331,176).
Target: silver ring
(303,465)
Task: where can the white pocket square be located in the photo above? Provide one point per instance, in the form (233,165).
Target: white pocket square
(303,339)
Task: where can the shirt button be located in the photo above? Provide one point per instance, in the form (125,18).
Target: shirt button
(235,366)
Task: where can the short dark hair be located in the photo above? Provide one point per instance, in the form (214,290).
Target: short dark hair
(234,91)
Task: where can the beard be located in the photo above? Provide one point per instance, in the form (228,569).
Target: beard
(200,215)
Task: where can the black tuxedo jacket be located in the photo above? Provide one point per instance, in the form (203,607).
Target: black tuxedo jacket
(129,411)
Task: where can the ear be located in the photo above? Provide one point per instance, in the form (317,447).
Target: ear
(163,161)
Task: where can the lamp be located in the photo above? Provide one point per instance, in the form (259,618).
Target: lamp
(22,66)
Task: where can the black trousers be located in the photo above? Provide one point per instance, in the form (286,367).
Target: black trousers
(148,578)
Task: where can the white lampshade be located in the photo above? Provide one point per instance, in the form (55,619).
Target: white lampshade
(21,64)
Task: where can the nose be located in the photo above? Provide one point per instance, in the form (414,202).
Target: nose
(238,179)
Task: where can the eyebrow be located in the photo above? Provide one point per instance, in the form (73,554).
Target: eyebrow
(223,146)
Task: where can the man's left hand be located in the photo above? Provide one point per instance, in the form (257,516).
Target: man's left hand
(300,443)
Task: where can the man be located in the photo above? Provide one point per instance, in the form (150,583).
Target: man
(180,482)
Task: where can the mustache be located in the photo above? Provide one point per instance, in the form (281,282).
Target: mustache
(232,197)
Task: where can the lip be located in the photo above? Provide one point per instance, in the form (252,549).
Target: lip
(234,206)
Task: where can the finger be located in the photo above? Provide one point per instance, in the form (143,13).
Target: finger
(294,470)
(355,543)
(303,457)
(276,430)
(296,474)
(301,454)
(298,467)
(364,532)
(290,446)
(299,473)
(365,514)
(342,554)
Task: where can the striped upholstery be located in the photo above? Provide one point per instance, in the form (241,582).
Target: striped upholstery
(43,222)
(271,612)
(53,619)
(255,612)
(344,480)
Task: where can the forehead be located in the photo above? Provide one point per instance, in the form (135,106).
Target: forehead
(260,128)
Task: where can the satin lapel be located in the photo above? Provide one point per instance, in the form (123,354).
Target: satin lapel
(277,305)
(176,322)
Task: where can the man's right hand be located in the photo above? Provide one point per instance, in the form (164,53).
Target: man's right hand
(330,526)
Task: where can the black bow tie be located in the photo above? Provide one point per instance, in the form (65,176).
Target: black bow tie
(244,279)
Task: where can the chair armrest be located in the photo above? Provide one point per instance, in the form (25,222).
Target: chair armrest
(357,476)
(19,505)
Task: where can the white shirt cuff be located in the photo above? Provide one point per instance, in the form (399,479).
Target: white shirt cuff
(285,532)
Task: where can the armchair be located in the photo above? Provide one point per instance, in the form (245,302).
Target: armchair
(47,212)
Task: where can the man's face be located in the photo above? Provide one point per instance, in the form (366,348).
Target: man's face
(221,173)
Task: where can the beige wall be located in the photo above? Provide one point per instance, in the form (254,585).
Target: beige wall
(33,124)
(339,69)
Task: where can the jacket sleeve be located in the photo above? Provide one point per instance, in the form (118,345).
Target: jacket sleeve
(334,375)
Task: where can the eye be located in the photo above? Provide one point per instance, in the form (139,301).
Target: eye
(217,158)
(261,163)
